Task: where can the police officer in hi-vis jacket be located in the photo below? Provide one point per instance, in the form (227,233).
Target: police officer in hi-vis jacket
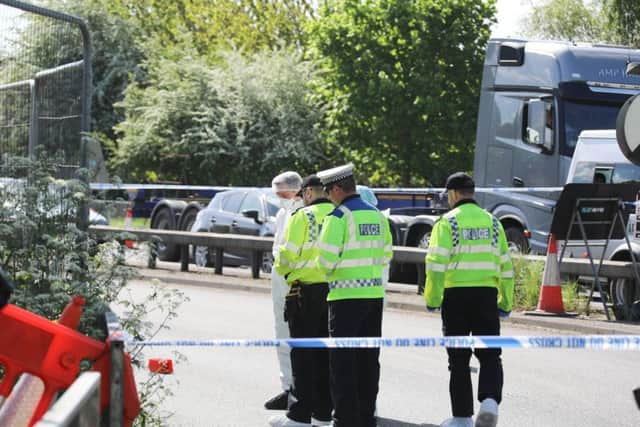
(470,277)
(355,246)
(306,308)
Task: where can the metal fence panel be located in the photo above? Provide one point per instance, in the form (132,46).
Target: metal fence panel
(45,84)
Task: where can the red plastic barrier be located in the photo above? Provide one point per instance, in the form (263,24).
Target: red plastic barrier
(54,352)
(161,366)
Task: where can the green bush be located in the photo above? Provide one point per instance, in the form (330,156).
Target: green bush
(527,277)
(50,259)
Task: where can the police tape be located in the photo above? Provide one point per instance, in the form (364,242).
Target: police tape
(586,342)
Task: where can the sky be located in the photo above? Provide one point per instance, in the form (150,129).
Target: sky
(510,16)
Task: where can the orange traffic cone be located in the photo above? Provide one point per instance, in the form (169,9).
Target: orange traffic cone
(127,225)
(550,292)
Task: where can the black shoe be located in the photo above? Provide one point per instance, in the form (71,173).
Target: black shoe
(279,402)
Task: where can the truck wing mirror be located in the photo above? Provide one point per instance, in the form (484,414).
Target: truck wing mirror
(537,131)
(633,68)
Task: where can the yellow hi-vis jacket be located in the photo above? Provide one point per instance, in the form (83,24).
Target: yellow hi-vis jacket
(355,245)
(299,248)
(468,248)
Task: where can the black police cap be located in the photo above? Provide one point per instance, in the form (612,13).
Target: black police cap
(460,181)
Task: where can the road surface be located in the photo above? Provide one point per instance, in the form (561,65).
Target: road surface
(228,386)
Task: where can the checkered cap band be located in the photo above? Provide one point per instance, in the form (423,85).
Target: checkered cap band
(336,174)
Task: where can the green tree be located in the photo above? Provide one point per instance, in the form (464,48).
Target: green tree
(624,21)
(567,20)
(401,82)
(247,24)
(235,124)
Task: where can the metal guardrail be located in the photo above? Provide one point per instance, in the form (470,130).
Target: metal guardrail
(79,405)
(258,245)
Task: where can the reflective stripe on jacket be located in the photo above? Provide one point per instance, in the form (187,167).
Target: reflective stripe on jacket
(468,248)
(355,245)
(299,247)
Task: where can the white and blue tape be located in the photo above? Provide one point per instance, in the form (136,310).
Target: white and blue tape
(586,342)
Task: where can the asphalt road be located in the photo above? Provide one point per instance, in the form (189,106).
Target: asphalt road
(227,386)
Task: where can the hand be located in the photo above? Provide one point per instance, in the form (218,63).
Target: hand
(433,309)
(504,314)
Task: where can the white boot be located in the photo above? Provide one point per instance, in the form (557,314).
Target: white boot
(284,421)
(458,422)
(488,414)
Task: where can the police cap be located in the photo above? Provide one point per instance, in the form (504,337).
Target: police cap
(336,174)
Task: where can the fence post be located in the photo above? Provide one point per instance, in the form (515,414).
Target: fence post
(256,257)
(116,373)
(184,257)
(219,259)
(153,253)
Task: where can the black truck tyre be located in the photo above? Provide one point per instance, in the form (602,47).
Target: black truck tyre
(162,220)
(624,295)
(516,239)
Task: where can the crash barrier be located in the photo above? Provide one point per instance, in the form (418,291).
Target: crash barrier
(55,354)
(585,342)
(257,245)
(79,406)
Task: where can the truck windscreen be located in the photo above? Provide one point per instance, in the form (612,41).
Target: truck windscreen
(578,116)
(586,107)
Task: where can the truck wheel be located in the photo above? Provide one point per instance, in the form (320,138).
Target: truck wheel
(186,222)
(163,221)
(516,240)
(624,293)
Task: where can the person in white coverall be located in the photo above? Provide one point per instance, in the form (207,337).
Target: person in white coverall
(286,186)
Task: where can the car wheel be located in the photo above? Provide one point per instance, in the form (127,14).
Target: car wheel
(624,293)
(516,240)
(267,262)
(163,221)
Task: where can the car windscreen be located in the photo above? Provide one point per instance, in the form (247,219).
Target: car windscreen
(232,201)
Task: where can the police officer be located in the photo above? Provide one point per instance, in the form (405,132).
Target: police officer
(470,276)
(355,245)
(306,309)
(286,186)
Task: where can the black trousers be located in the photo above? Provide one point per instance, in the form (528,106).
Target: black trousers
(308,318)
(472,311)
(355,372)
